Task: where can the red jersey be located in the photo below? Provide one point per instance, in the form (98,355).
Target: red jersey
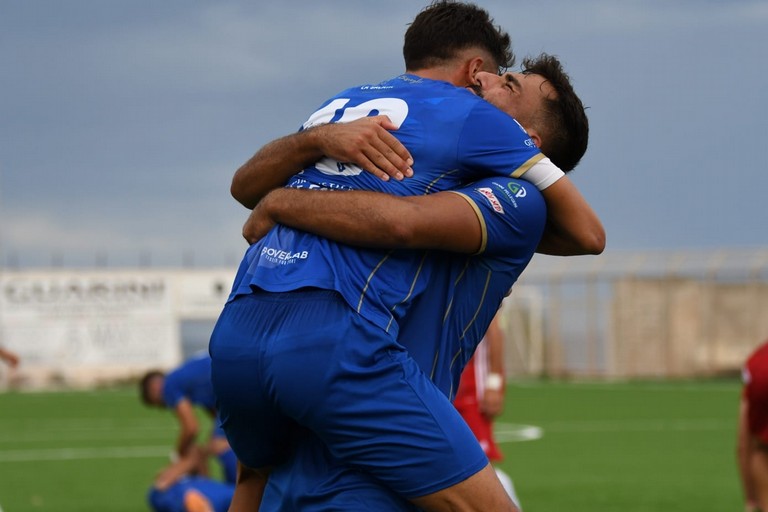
(467,402)
(755,376)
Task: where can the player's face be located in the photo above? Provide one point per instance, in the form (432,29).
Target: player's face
(520,95)
(155,392)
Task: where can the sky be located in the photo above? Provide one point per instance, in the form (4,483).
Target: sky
(122,121)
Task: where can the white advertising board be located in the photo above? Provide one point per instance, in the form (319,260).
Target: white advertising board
(82,326)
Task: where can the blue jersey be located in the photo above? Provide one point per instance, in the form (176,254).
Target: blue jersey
(440,332)
(445,324)
(454,137)
(191,380)
(172,499)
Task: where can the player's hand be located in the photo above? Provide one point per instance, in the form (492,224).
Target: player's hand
(258,224)
(167,477)
(492,403)
(367,143)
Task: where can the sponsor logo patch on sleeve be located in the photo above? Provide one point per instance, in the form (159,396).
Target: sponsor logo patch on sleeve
(492,199)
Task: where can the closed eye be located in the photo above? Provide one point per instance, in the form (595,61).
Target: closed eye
(511,82)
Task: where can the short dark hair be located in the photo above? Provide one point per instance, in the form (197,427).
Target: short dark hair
(446,27)
(144,385)
(563,121)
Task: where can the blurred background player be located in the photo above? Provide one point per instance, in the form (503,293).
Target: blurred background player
(183,486)
(181,390)
(480,397)
(9,358)
(752,444)
(12,360)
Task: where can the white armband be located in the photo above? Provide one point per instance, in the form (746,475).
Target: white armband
(543,174)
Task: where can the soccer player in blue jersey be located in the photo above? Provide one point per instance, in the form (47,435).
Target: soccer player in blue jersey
(443,326)
(287,353)
(183,486)
(499,221)
(192,494)
(181,390)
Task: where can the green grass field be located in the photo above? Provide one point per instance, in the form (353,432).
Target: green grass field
(640,447)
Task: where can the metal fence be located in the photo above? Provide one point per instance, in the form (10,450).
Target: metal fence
(638,314)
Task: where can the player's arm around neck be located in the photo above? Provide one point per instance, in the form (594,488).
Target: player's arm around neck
(573,227)
(443,221)
(272,165)
(365,142)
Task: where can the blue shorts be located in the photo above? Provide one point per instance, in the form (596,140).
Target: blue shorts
(313,481)
(305,358)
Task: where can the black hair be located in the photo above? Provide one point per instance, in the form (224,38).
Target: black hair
(446,27)
(144,385)
(563,121)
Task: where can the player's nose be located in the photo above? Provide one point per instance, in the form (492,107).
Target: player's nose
(487,80)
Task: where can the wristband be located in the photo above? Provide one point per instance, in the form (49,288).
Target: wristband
(494,382)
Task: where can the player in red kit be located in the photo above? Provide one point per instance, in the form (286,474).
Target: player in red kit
(752,448)
(480,397)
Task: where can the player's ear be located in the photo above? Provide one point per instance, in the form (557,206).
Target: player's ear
(475,65)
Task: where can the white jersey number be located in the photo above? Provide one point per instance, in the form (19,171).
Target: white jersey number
(394,108)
